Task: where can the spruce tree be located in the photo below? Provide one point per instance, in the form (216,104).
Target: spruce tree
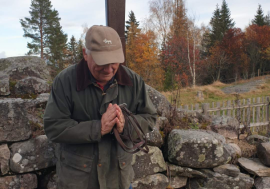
(73,50)
(226,22)
(79,56)
(215,23)
(131,34)
(43,28)
(259,17)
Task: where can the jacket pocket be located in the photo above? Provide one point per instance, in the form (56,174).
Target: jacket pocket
(126,171)
(73,171)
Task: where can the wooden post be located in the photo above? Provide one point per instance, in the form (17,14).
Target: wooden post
(233,111)
(205,108)
(258,111)
(196,107)
(213,107)
(253,113)
(115,18)
(248,112)
(229,105)
(244,115)
(238,111)
(223,106)
(218,108)
(186,107)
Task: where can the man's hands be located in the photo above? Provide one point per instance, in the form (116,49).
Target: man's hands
(112,116)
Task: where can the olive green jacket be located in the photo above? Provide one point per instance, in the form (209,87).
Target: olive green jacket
(87,160)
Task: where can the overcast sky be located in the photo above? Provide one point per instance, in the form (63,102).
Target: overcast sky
(75,14)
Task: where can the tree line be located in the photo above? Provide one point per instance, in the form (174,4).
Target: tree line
(169,50)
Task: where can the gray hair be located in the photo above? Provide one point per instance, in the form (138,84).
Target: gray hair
(87,51)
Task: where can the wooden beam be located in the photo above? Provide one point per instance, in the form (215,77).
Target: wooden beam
(115,18)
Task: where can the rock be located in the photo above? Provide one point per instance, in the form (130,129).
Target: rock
(32,155)
(262,183)
(184,171)
(14,125)
(147,164)
(4,159)
(228,169)
(26,181)
(160,102)
(221,181)
(4,85)
(157,181)
(236,150)
(52,182)
(226,126)
(154,138)
(31,85)
(197,148)
(254,167)
(161,123)
(178,182)
(18,68)
(263,152)
(257,139)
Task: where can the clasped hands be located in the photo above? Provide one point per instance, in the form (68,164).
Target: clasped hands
(113,116)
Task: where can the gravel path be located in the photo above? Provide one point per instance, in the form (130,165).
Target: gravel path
(243,88)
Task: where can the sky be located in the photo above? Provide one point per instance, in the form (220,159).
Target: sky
(76,14)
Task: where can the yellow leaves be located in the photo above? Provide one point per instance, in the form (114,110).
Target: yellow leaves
(142,57)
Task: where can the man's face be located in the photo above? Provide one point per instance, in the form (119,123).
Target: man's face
(102,74)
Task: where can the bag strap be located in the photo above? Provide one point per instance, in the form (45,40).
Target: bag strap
(138,145)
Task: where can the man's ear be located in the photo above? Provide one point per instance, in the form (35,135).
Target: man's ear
(84,54)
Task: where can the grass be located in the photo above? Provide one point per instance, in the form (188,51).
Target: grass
(213,93)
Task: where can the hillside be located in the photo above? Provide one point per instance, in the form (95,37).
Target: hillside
(255,87)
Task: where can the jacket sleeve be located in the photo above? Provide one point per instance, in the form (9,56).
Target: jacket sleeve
(145,114)
(58,124)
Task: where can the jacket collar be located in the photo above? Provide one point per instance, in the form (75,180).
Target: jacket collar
(83,80)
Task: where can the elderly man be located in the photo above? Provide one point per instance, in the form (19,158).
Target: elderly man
(83,109)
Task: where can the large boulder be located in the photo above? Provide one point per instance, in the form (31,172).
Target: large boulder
(262,183)
(148,164)
(178,182)
(154,138)
(31,85)
(4,159)
(254,167)
(18,68)
(14,124)
(15,70)
(263,152)
(160,102)
(226,126)
(157,181)
(215,180)
(197,148)
(257,139)
(4,85)
(26,181)
(32,155)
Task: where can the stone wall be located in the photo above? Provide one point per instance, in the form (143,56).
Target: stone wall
(188,158)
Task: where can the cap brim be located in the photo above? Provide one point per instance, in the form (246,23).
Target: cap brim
(108,57)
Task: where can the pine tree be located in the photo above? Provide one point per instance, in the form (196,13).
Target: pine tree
(259,17)
(42,24)
(215,22)
(57,40)
(79,50)
(73,50)
(226,22)
(131,34)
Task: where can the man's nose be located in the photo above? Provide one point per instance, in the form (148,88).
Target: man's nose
(108,68)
